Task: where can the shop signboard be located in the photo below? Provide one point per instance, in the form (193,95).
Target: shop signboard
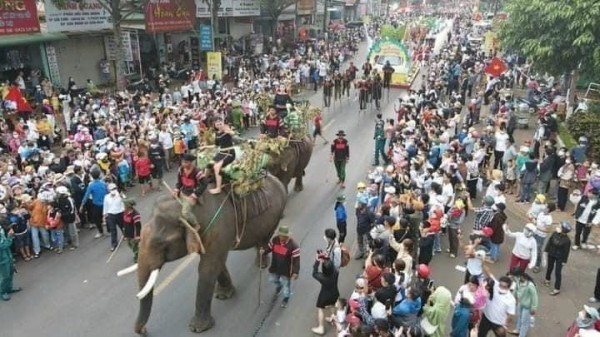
(76,16)
(213,65)
(163,16)
(110,46)
(18,17)
(305,7)
(53,64)
(206,40)
(230,8)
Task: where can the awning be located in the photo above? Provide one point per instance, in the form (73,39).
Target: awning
(21,39)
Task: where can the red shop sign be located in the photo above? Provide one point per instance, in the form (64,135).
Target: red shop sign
(170,16)
(18,17)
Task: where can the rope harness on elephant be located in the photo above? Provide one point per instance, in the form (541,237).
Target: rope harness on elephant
(239,234)
(216,215)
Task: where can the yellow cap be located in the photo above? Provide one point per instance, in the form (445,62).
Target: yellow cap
(361,185)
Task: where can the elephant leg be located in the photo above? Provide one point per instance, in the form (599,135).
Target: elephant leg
(225,288)
(210,267)
(299,185)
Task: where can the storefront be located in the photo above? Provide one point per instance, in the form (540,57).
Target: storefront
(26,53)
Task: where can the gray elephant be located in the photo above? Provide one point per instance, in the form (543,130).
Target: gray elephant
(292,162)
(223,228)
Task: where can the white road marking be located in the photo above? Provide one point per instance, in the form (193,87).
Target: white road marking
(328,124)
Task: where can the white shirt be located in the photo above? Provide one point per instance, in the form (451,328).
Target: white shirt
(448,194)
(525,247)
(165,139)
(586,214)
(501,141)
(501,305)
(543,222)
(113,205)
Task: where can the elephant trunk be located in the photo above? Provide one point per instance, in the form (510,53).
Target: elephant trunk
(144,313)
(146,280)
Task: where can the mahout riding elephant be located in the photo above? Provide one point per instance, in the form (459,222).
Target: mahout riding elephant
(292,162)
(227,222)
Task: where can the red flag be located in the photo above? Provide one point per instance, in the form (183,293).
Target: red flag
(14,94)
(495,68)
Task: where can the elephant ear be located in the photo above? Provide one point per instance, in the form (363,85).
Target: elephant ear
(285,159)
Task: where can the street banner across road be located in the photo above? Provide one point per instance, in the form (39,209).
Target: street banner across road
(71,16)
(18,17)
(164,16)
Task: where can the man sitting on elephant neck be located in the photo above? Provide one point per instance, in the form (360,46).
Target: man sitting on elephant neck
(191,182)
(273,125)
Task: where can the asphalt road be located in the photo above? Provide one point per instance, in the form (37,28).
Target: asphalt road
(78,293)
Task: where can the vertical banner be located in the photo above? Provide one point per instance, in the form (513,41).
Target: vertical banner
(206,39)
(18,17)
(213,65)
(53,64)
(170,16)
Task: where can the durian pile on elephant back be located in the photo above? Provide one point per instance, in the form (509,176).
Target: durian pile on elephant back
(226,221)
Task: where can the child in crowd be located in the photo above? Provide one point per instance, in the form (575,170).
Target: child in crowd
(55,226)
(511,177)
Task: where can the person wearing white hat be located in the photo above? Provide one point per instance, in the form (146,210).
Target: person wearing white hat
(68,211)
(112,212)
(524,252)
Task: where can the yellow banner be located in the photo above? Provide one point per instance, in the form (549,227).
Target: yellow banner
(213,65)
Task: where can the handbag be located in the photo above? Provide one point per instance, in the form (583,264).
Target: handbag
(427,326)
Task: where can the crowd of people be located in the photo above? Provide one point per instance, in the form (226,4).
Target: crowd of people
(439,156)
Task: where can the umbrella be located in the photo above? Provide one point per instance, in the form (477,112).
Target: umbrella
(495,68)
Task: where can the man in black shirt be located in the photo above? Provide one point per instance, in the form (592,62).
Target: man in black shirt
(340,154)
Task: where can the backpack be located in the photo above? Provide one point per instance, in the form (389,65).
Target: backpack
(345,255)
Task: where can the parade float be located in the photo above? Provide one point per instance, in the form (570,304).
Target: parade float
(391,48)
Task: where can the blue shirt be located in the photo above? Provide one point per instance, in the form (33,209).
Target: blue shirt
(340,213)
(97,189)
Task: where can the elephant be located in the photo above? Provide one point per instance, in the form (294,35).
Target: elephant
(223,227)
(292,162)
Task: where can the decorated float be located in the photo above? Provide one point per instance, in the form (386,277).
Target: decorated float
(394,51)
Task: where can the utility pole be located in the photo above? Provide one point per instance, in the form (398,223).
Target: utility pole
(325,15)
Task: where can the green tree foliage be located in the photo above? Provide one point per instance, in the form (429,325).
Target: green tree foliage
(558,35)
(587,124)
(275,8)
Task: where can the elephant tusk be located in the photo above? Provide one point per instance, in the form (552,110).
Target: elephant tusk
(149,285)
(127,270)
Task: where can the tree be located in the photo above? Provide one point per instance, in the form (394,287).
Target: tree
(559,36)
(275,8)
(120,10)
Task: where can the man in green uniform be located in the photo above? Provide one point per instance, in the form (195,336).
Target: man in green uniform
(7,268)
(379,137)
(340,154)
